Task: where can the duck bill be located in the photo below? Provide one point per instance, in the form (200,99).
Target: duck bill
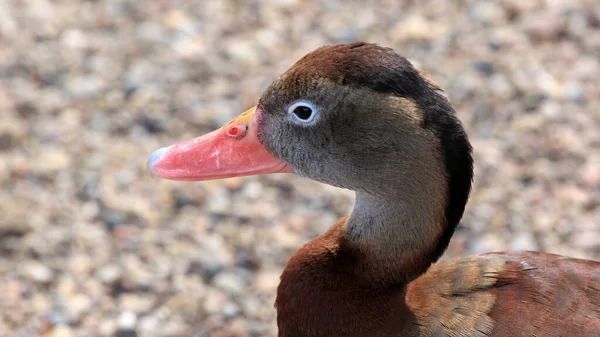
(231,151)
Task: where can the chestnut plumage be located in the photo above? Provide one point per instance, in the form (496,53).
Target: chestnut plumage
(360,116)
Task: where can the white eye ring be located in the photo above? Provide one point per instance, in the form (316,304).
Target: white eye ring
(303,112)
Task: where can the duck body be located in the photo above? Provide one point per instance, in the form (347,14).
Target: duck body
(359,116)
(494,294)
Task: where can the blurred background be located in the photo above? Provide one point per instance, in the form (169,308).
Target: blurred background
(90,245)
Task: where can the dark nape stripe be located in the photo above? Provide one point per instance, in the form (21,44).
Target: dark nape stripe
(440,117)
(459,166)
(403,80)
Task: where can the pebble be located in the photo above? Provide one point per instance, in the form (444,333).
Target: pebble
(126,324)
(136,302)
(487,12)
(37,272)
(78,305)
(107,328)
(230,310)
(62,331)
(50,161)
(267,280)
(212,257)
(148,325)
(214,301)
(416,27)
(230,282)
(523,241)
(219,202)
(544,25)
(109,274)
(574,92)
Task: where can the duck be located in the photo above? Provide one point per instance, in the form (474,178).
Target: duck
(360,116)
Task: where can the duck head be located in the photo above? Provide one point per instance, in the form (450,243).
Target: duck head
(357,116)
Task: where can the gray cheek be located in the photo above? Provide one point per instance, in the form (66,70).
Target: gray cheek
(279,140)
(310,151)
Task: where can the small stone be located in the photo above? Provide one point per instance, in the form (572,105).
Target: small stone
(73,38)
(150,31)
(125,333)
(586,239)
(107,328)
(62,330)
(416,27)
(136,303)
(286,238)
(211,258)
(586,68)
(214,301)
(487,12)
(85,86)
(574,92)
(230,282)
(90,210)
(13,221)
(109,273)
(236,327)
(183,303)
(27,110)
(267,280)
(78,305)
(81,264)
(252,305)
(267,38)
(50,161)
(136,273)
(112,217)
(230,310)
(488,243)
(126,324)
(484,68)
(148,325)
(243,50)
(41,302)
(151,125)
(219,202)
(184,197)
(544,25)
(523,241)
(38,272)
(7,141)
(499,86)
(589,174)
(252,190)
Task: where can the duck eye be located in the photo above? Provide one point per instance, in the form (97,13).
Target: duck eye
(302,111)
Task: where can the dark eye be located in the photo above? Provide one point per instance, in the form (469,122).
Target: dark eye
(303,112)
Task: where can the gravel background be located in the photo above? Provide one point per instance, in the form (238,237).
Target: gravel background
(92,246)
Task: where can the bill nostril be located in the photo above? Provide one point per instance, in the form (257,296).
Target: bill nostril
(233,131)
(237,131)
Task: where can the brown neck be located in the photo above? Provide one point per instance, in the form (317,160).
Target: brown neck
(395,238)
(320,295)
(355,274)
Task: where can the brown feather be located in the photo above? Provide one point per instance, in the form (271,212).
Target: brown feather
(490,295)
(546,295)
